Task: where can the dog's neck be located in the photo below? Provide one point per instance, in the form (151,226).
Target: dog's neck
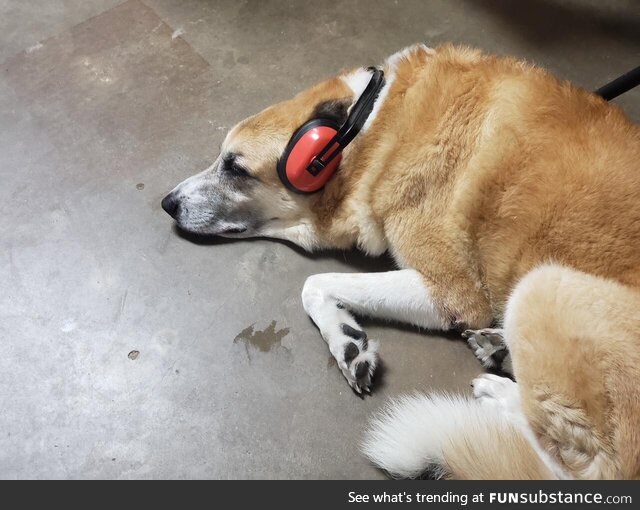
(343,214)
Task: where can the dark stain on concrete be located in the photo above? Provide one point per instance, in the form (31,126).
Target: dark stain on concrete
(262,340)
(140,186)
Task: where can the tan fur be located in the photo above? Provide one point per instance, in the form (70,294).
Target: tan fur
(478,456)
(576,354)
(476,170)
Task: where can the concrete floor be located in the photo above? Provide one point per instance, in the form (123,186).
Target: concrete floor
(104,106)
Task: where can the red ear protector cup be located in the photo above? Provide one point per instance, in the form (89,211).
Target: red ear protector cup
(306,143)
(314,152)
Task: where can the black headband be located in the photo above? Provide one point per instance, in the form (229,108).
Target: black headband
(352,126)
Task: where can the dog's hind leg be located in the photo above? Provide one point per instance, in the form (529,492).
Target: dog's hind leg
(330,299)
(573,338)
(490,348)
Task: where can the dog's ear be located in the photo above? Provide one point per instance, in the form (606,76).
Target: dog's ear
(336,110)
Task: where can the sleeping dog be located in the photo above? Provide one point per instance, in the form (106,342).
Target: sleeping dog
(507,197)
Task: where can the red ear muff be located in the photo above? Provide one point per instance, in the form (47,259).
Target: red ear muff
(315,149)
(305,145)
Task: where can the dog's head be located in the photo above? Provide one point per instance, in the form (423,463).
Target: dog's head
(241,195)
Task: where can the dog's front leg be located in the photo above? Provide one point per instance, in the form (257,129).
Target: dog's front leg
(330,298)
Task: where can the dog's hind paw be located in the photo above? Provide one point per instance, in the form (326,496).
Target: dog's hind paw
(490,348)
(357,357)
(499,394)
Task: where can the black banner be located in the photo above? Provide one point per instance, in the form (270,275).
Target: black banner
(328,494)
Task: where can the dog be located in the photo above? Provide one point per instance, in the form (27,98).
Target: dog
(507,198)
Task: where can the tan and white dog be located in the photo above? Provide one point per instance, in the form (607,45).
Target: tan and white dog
(504,195)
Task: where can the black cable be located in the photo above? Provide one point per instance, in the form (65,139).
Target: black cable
(620,85)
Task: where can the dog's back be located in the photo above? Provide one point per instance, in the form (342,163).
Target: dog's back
(500,158)
(567,191)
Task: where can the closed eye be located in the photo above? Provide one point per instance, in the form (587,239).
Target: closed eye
(232,168)
(237,170)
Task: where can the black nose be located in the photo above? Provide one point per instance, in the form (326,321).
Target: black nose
(170,204)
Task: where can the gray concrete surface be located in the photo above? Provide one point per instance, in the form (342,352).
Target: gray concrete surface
(104,106)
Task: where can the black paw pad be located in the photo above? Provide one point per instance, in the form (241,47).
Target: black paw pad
(499,356)
(356,334)
(350,352)
(362,369)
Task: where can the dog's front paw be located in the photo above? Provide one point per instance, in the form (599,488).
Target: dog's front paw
(490,348)
(496,392)
(357,357)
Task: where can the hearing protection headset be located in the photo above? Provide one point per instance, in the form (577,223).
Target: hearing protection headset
(314,152)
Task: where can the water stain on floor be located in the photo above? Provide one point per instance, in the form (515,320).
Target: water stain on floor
(262,340)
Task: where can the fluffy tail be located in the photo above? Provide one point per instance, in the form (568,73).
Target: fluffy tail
(451,437)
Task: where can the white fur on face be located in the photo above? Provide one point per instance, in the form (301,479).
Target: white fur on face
(191,185)
(211,204)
